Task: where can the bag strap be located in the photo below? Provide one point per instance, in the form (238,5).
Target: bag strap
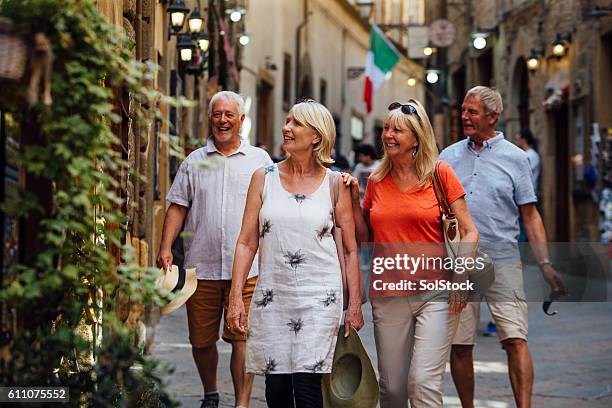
(441,192)
(334,190)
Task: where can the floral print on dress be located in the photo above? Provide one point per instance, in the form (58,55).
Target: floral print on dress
(324,231)
(266,299)
(266,227)
(295,325)
(317,367)
(330,299)
(270,365)
(299,198)
(294,259)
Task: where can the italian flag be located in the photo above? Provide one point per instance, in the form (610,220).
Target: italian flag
(382,57)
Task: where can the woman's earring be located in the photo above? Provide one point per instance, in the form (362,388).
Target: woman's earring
(415,149)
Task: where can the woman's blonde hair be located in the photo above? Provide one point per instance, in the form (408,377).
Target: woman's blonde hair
(427,150)
(319,119)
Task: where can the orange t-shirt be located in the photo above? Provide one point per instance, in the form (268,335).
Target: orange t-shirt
(409,222)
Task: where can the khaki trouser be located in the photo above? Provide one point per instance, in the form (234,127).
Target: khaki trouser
(413,339)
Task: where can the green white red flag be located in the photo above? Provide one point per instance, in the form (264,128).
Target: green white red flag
(382,57)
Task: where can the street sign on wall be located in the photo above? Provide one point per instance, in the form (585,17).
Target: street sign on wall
(418,38)
(442,33)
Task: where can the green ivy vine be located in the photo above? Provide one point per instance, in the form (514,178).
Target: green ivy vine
(53,291)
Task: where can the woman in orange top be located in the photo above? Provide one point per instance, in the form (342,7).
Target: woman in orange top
(413,324)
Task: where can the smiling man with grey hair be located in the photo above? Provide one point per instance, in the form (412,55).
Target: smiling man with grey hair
(497,179)
(209,195)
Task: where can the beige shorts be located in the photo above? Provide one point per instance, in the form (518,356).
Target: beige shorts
(506,302)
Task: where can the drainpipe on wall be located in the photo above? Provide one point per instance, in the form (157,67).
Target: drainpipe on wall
(298,49)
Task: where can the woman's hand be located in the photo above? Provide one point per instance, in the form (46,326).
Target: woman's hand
(353,184)
(236,315)
(457,299)
(353,318)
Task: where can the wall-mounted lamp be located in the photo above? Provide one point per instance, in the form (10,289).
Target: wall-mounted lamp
(198,63)
(411,81)
(195,22)
(185,46)
(236,13)
(432,75)
(203,42)
(428,51)
(533,60)
(177,10)
(479,40)
(560,44)
(244,38)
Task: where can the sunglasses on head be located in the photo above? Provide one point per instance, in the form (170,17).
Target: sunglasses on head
(407,109)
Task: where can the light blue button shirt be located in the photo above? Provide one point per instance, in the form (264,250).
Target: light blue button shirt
(497,180)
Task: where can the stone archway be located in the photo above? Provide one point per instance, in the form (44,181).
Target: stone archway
(520,96)
(517,107)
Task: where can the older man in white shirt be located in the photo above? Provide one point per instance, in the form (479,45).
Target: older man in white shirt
(209,195)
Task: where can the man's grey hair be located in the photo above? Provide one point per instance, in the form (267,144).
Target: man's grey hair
(490,97)
(228,96)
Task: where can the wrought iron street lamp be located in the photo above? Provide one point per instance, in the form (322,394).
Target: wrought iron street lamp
(244,38)
(177,10)
(479,40)
(432,75)
(560,45)
(533,60)
(203,42)
(185,46)
(236,13)
(195,22)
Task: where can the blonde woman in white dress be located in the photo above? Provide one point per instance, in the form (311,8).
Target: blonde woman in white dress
(297,303)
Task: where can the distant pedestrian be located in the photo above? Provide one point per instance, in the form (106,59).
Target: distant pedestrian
(297,305)
(341,164)
(366,164)
(263,147)
(282,155)
(209,194)
(529,144)
(526,141)
(497,177)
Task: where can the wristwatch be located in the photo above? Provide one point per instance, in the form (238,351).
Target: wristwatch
(543,262)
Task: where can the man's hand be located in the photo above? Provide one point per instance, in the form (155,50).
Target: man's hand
(554,279)
(353,318)
(164,258)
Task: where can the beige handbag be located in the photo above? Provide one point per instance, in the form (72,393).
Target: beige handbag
(481,278)
(334,189)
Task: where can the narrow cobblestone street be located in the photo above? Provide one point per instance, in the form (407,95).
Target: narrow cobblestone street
(572,354)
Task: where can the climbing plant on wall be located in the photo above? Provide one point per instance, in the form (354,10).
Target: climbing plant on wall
(69,282)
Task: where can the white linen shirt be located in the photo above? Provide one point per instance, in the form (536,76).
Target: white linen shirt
(214,188)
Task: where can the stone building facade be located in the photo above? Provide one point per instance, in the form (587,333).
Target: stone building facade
(562,101)
(315,49)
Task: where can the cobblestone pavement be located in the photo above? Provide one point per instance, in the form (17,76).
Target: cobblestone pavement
(572,354)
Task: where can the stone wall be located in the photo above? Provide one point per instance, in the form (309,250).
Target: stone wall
(518,27)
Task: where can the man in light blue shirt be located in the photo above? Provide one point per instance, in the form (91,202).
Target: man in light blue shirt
(497,180)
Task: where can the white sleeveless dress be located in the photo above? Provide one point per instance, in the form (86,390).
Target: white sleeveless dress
(297,304)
